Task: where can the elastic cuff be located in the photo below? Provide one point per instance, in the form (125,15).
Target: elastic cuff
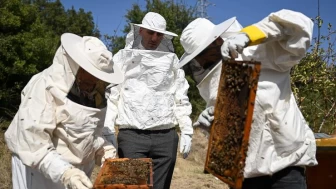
(53,166)
(255,34)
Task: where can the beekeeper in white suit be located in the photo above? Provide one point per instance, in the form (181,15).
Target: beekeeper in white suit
(55,137)
(281,143)
(151,101)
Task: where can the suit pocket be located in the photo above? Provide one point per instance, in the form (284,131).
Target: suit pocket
(287,130)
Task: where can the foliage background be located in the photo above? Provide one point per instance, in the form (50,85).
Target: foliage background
(29,36)
(30,33)
(314,80)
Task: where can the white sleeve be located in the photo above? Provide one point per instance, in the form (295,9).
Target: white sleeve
(112,96)
(53,166)
(29,136)
(288,36)
(112,93)
(182,104)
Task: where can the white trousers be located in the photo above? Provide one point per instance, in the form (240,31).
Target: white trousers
(24,177)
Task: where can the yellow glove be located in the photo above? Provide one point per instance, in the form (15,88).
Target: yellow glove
(255,35)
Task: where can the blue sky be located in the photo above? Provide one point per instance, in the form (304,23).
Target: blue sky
(109,14)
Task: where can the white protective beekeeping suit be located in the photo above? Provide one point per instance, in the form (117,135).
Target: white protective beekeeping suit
(286,138)
(153,95)
(279,137)
(50,133)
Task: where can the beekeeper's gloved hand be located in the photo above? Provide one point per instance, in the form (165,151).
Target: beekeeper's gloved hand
(74,178)
(234,44)
(185,144)
(104,153)
(206,118)
(109,152)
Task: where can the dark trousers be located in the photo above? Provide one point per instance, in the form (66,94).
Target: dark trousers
(159,145)
(288,178)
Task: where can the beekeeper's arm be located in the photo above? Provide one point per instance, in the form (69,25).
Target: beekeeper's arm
(108,150)
(285,35)
(112,96)
(112,93)
(182,112)
(30,138)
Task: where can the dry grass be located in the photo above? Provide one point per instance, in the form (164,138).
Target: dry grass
(188,173)
(5,159)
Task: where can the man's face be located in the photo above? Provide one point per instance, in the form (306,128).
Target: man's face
(211,54)
(86,81)
(150,39)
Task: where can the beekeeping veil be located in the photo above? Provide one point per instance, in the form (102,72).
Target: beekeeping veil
(155,22)
(195,38)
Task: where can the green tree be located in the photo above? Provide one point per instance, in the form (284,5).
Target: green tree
(29,36)
(314,81)
(178,15)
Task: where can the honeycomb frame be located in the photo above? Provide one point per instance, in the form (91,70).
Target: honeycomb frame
(139,172)
(230,130)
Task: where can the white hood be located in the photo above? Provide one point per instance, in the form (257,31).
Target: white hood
(133,41)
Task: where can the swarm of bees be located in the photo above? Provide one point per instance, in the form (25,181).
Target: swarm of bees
(228,141)
(125,172)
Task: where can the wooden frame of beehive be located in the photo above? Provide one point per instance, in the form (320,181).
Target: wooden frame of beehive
(230,131)
(139,174)
(323,175)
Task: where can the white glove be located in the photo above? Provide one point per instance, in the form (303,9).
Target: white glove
(233,45)
(110,152)
(105,153)
(185,144)
(74,178)
(112,139)
(206,118)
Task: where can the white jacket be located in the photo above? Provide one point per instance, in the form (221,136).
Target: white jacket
(280,136)
(153,95)
(49,132)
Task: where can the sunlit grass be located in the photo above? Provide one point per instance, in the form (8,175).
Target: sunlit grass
(5,159)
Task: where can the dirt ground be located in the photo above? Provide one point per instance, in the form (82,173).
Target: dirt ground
(188,173)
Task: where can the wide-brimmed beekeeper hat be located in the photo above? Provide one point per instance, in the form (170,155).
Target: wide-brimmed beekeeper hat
(155,22)
(91,54)
(199,34)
